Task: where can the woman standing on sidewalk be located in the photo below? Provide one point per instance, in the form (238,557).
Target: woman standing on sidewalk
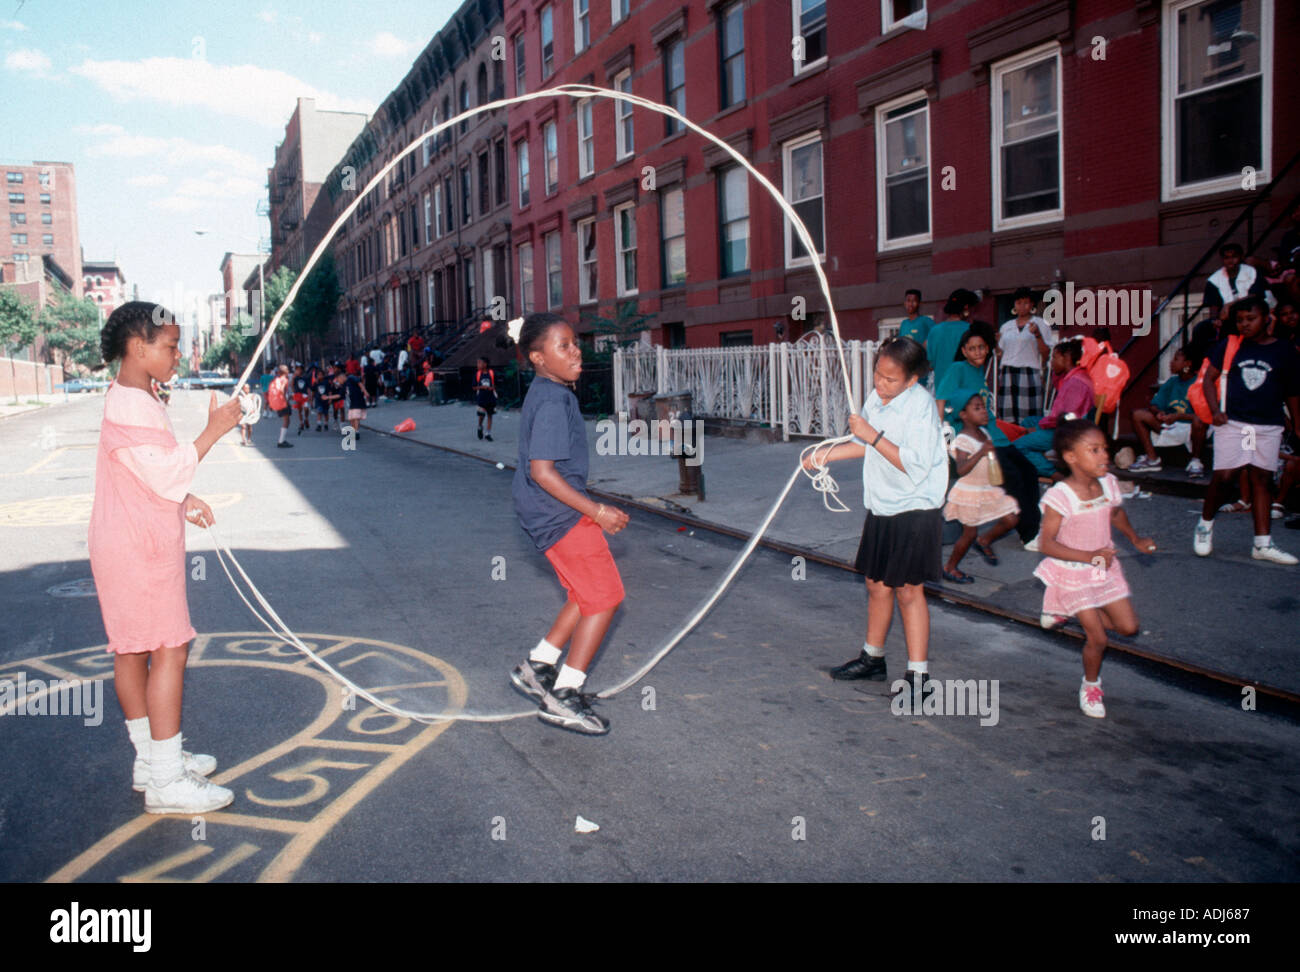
(904,478)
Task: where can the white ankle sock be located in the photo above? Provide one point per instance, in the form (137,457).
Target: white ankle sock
(545,652)
(1207,524)
(1264,541)
(1096,684)
(165,760)
(570,678)
(283,432)
(138,730)
(871,651)
(922,666)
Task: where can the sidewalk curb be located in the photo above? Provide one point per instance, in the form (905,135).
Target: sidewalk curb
(1188,669)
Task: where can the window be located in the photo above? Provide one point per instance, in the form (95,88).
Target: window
(554,274)
(625,141)
(20,258)
(733,205)
(468,274)
(802,163)
(587,291)
(45,198)
(437,211)
(625,244)
(675,83)
(445,138)
(44,179)
(464,106)
(672,234)
(810,31)
(521,156)
(526,303)
(550,156)
(433,299)
(427,147)
(1218,95)
(548,42)
(466,196)
(581,25)
(618,9)
(1027,139)
(521,67)
(484,185)
(903,161)
(47,239)
(586,140)
(902,13)
(499,164)
(46,218)
(401,231)
(450,226)
(731,34)
(18,219)
(18,239)
(14,178)
(17,198)
(428,218)
(482,89)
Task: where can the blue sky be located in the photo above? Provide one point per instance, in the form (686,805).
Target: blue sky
(171,112)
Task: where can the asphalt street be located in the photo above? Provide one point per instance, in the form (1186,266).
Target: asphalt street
(737,758)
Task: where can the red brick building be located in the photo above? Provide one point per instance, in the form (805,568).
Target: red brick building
(104,283)
(42,209)
(930,144)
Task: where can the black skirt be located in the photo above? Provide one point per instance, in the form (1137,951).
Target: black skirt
(902,549)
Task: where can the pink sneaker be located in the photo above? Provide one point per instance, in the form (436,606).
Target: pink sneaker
(1090,701)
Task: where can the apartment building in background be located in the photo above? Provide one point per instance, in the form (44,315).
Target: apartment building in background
(430,245)
(104,283)
(42,216)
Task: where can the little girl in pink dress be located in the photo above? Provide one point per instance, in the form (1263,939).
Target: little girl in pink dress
(1080,568)
(137,554)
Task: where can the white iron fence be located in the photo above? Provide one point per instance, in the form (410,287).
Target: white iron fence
(798,387)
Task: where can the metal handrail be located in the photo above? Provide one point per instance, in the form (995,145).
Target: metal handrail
(1183,285)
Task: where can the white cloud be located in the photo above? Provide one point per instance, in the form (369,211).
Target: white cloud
(266,16)
(104,129)
(147,181)
(261,95)
(213,187)
(12,25)
(313,37)
(385,44)
(176,151)
(29,60)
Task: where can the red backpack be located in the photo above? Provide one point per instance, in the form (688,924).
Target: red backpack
(1109,376)
(1196,394)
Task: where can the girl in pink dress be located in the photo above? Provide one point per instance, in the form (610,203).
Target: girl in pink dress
(137,553)
(1082,573)
(975,499)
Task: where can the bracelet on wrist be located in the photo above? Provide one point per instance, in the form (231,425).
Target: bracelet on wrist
(876,441)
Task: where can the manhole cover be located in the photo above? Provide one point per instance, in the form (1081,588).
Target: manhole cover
(85,587)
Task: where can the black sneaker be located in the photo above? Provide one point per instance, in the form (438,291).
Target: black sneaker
(570,709)
(534,679)
(480,433)
(862,667)
(284,445)
(488,436)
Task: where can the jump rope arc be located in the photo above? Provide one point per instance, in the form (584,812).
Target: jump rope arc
(814,455)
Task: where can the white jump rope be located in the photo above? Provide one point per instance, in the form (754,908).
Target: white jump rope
(813,455)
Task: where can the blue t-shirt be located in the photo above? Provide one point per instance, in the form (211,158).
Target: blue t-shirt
(550,427)
(918,330)
(1172,396)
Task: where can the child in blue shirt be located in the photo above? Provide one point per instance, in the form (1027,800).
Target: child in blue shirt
(1170,406)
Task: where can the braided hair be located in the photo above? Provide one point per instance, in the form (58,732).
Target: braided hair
(136,318)
(534,330)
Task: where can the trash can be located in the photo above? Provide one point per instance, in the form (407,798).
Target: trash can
(640,405)
(438,393)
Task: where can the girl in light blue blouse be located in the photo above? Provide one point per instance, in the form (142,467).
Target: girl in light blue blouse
(900,440)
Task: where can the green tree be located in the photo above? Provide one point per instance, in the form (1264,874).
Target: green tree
(624,328)
(17,326)
(72,326)
(309,319)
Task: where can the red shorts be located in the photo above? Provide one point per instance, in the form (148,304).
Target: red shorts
(299,400)
(586,568)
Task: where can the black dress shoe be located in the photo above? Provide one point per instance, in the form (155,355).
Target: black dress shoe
(864,666)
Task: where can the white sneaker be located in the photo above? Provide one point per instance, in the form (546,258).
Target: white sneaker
(1032,545)
(1050,622)
(187,794)
(197,763)
(1090,701)
(1203,540)
(1274,554)
(1194,468)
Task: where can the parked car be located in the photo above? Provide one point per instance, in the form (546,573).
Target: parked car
(211,379)
(81,385)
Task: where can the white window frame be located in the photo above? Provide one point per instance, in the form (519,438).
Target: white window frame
(524,172)
(888,23)
(428,219)
(581,25)
(1043,52)
(527,284)
(489,278)
(800,67)
(624,146)
(427,146)
(616,12)
(787,152)
(585,297)
(432,292)
(664,240)
(882,172)
(620,250)
(1168,75)
(587,139)
(437,210)
(551,156)
(558,268)
(547,16)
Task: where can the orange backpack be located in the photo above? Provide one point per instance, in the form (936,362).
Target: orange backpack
(1109,376)
(1196,394)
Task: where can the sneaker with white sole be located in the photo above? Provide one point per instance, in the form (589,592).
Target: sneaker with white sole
(1274,555)
(1203,540)
(1090,701)
(1195,468)
(534,679)
(1050,622)
(1032,545)
(570,709)
(199,764)
(187,794)
(1143,464)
